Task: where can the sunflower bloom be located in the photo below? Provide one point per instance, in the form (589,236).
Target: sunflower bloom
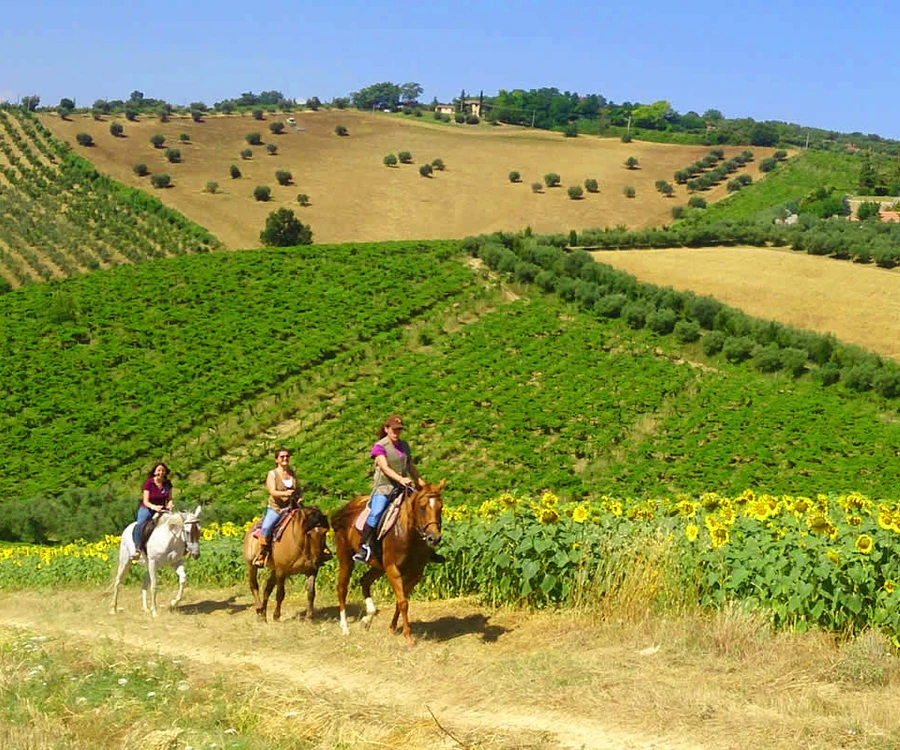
(864,544)
(890,586)
(580,514)
(691,531)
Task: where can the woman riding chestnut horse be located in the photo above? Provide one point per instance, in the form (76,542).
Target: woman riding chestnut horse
(409,542)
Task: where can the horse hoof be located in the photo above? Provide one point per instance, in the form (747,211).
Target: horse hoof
(112,610)
(345,630)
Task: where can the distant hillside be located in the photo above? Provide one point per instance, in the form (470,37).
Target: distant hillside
(59,216)
(354,197)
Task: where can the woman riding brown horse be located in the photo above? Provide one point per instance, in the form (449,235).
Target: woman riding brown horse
(405,550)
(300,549)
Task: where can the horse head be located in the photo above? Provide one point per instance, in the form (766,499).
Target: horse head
(426,508)
(190,529)
(315,526)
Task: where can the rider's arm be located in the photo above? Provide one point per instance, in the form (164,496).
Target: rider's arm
(382,463)
(270,486)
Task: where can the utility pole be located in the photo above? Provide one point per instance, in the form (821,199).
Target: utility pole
(533,113)
(807,140)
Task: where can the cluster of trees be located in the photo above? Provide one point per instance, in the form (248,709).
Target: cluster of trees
(712,169)
(879,173)
(766,345)
(387,95)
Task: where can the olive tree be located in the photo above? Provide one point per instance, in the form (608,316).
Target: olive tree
(284,229)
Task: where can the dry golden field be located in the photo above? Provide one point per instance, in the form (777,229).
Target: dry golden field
(858,304)
(354,197)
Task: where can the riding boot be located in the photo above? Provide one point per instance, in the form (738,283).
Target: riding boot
(262,557)
(366,545)
(436,558)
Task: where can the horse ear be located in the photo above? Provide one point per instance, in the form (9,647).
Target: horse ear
(197,511)
(442,484)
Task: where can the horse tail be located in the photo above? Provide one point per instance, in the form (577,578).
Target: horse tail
(344,516)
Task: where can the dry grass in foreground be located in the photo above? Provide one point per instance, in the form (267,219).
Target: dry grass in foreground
(354,197)
(477,678)
(858,304)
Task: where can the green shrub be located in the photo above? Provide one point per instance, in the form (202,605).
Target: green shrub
(697,201)
(283,229)
(257,114)
(626,138)
(632,163)
(254,138)
(235,172)
(246,153)
(140,170)
(173,155)
(868,210)
(303,199)
(552,179)
(262,193)
(677,212)
(84,139)
(438,164)
(340,130)
(514,176)
(611,305)
(276,128)
(271,149)
(687,331)
(591,185)
(472,120)
(662,321)
(157,139)
(212,187)
(712,343)
(426,170)
(536,187)
(161,180)
(389,161)
(575,192)
(629,192)
(738,349)
(459,117)
(570,130)
(635,314)
(131,115)
(405,157)
(116,129)
(283,177)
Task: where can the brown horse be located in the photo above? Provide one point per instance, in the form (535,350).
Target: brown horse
(301,549)
(405,550)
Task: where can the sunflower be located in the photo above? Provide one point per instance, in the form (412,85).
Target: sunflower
(890,586)
(580,514)
(691,531)
(549,515)
(718,536)
(864,544)
(549,499)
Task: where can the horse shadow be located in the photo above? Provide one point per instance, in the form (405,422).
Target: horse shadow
(441,630)
(209,606)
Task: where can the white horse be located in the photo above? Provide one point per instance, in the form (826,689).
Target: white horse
(175,534)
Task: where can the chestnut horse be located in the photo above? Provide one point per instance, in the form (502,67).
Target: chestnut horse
(301,549)
(405,550)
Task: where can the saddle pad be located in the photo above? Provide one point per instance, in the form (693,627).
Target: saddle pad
(279,526)
(388,518)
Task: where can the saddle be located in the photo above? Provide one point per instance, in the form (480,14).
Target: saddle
(278,531)
(388,518)
(147,530)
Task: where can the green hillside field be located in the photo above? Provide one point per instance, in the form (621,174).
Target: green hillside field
(211,361)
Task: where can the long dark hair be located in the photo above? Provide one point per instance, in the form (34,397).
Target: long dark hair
(155,467)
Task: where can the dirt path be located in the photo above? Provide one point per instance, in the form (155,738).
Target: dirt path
(471,670)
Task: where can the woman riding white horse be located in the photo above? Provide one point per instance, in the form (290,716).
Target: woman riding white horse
(175,535)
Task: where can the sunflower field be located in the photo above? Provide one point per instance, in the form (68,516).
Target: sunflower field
(829,562)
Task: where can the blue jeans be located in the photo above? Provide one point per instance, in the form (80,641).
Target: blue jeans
(144,514)
(269,520)
(376,508)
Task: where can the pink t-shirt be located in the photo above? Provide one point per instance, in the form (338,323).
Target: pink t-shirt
(158,495)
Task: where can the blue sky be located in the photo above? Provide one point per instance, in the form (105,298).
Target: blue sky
(824,64)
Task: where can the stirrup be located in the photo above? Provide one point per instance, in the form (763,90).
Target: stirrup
(363,554)
(135,556)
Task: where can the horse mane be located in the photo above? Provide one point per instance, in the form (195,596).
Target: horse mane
(173,520)
(314,518)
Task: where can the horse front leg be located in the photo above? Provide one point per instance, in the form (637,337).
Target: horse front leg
(279,597)
(401,610)
(182,577)
(310,595)
(371,575)
(149,583)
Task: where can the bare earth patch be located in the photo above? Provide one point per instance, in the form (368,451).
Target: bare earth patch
(859,304)
(506,678)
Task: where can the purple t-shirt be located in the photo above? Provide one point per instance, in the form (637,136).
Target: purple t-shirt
(158,495)
(401,448)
